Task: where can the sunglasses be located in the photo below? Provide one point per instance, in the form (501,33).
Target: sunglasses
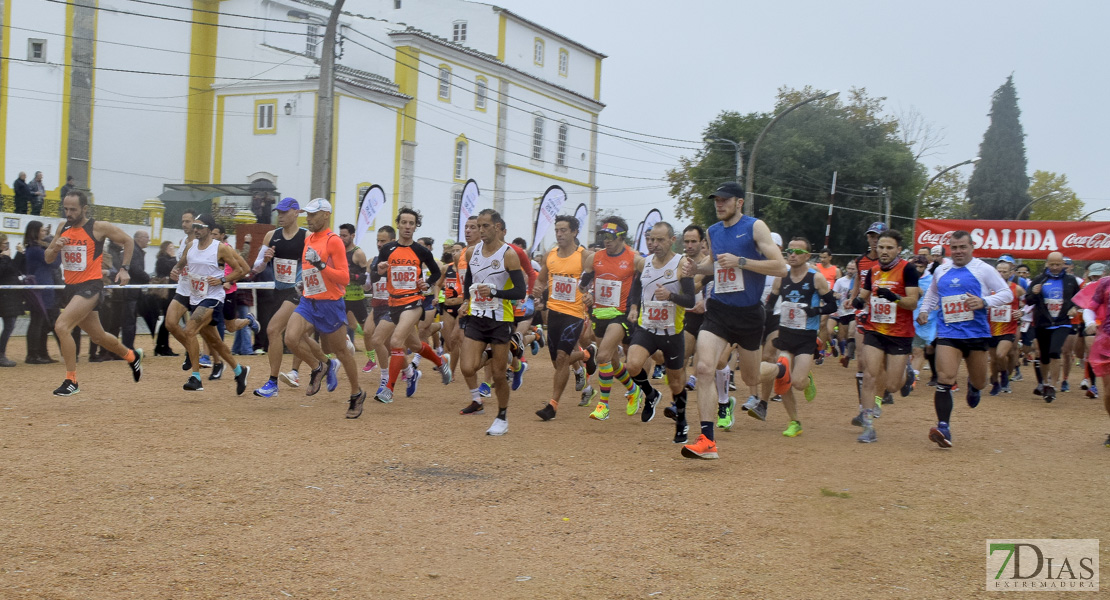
(199,226)
(795,251)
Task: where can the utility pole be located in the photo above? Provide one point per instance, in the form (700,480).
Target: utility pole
(886,195)
(325,111)
(828,221)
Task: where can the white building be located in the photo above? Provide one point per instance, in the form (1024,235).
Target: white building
(130,97)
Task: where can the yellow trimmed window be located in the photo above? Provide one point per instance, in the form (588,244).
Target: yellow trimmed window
(564,61)
(481,91)
(265,117)
(537,52)
(444,87)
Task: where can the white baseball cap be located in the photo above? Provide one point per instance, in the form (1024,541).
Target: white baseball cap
(317,205)
(777,239)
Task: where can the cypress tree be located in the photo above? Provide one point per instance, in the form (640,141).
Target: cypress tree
(999,186)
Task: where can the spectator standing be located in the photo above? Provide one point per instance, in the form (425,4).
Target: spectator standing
(11,305)
(38,194)
(23,195)
(71,184)
(244,300)
(126,302)
(41,303)
(163,264)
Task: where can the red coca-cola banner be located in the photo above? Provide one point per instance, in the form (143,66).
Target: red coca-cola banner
(1082,240)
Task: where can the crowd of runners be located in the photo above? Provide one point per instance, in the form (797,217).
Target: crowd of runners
(737,298)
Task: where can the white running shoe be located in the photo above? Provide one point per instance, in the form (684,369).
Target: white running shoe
(499,427)
(292,378)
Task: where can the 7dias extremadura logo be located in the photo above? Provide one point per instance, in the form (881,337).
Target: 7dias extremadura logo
(1042,565)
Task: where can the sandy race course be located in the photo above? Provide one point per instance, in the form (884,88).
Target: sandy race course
(146,491)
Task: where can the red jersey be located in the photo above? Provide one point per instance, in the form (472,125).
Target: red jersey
(887,317)
(331,282)
(864,265)
(613,278)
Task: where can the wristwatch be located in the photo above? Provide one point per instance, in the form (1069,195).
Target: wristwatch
(223,279)
(741,261)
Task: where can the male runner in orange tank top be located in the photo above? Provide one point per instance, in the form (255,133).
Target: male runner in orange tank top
(80,241)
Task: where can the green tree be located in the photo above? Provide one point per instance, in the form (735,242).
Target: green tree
(1064,205)
(794,167)
(999,186)
(947,197)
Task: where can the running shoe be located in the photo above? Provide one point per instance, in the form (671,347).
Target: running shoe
(973,395)
(518,377)
(1064,387)
(759,412)
(499,427)
(217,372)
(484,390)
(186,365)
(996,388)
(941,435)
(253,323)
(911,379)
(384,395)
(1039,390)
(671,412)
(657,373)
(877,410)
(579,380)
(588,396)
(794,430)
(888,398)
(691,384)
(634,400)
(776,398)
(137,365)
(868,436)
(783,383)
(193,385)
(682,431)
(844,360)
(1107,442)
(445,370)
(601,412)
(315,377)
(540,336)
(811,389)
(332,374)
(547,412)
(1006,389)
(241,380)
(1092,391)
(1017,376)
(354,408)
(205,361)
(702,448)
(292,378)
(474,408)
(1086,383)
(751,403)
(414,380)
(591,359)
(268,389)
(725,414)
(535,347)
(858,420)
(370,364)
(932,381)
(1049,393)
(68,388)
(650,400)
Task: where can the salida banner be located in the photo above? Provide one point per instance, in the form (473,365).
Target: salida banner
(1082,240)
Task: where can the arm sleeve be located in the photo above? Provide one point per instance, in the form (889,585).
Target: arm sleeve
(526,266)
(686,298)
(771,300)
(336,271)
(827,307)
(1089,317)
(587,279)
(426,257)
(519,289)
(467,282)
(910,276)
(635,294)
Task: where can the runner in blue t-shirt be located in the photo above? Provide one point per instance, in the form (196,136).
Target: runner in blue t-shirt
(965,290)
(741,255)
(1050,294)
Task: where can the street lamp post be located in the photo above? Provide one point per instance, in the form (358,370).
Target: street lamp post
(325,105)
(1086,216)
(749,201)
(738,147)
(1042,197)
(917,205)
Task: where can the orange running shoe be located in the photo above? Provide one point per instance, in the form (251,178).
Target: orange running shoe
(703,448)
(782,384)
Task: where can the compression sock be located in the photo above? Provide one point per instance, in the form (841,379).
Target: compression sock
(643,382)
(942,401)
(429,353)
(722,385)
(396,362)
(1037,370)
(605,381)
(621,374)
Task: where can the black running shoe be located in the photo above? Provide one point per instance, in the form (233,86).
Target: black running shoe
(888,398)
(217,372)
(591,362)
(354,410)
(315,378)
(681,429)
(547,412)
(648,412)
(68,388)
(193,385)
(475,408)
(188,364)
(241,380)
(137,365)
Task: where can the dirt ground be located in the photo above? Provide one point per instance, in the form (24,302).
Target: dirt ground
(146,491)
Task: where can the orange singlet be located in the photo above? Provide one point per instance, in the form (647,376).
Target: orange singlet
(81,254)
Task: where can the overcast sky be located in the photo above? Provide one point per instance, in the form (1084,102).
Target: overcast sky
(674,66)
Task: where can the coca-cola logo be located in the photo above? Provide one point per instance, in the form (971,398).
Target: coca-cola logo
(1098,240)
(929,238)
